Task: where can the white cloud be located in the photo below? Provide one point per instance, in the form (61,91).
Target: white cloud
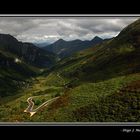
(31,29)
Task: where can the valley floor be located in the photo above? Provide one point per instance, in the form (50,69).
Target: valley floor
(115,100)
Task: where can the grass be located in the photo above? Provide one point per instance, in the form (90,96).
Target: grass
(92,85)
(13,75)
(85,98)
(66,107)
(53,79)
(72,102)
(16,104)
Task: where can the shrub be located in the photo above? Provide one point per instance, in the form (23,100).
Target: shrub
(37,102)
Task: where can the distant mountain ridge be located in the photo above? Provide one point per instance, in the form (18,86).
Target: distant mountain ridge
(42,44)
(98,84)
(114,57)
(105,81)
(66,48)
(18,62)
(28,52)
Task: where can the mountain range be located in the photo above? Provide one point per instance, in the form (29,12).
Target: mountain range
(103,81)
(66,48)
(41,44)
(27,52)
(97,82)
(18,62)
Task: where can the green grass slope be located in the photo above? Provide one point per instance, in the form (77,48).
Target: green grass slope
(116,57)
(109,66)
(100,84)
(13,74)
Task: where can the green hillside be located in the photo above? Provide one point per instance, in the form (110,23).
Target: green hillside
(99,84)
(14,74)
(19,62)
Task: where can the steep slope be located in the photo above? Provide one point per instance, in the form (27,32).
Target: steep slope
(66,48)
(26,51)
(102,82)
(13,74)
(18,62)
(99,84)
(115,57)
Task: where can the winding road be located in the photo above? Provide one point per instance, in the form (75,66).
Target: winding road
(58,75)
(31,105)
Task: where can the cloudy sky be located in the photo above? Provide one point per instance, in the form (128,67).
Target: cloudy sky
(50,29)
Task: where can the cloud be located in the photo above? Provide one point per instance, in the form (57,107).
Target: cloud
(16,26)
(50,29)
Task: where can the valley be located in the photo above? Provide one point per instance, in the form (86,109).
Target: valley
(68,104)
(99,82)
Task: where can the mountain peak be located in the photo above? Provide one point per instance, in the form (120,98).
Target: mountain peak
(60,40)
(96,38)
